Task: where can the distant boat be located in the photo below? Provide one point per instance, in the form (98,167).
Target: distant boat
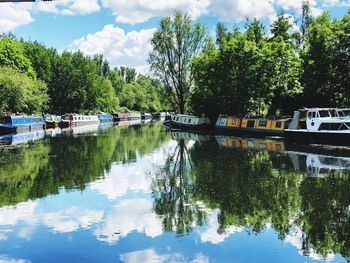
(319,125)
(135,115)
(188,122)
(15,124)
(52,121)
(252,125)
(105,117)
(70,120)
(146,116)
(121,116)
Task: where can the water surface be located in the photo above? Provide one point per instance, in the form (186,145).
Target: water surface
(141,194)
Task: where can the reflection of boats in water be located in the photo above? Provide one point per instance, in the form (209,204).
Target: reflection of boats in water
(80,130)
(250,143)
(129,123)
(53,132)
(19,138)
(315,164)
(318,165)
(180,135)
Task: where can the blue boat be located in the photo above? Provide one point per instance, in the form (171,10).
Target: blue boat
(105,117)
(20,138)
(15,124)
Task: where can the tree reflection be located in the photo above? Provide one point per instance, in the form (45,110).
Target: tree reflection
(173,193)
(44,167)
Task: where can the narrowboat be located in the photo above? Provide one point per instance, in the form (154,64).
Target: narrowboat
(15,124)
(159,115)
(105,117)
(70,120)
(252,125)
(146,116)
(52,121)
(135,115)
(319,126)
(121,116)
(188,122)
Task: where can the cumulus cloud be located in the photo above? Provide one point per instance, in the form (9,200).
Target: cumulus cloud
(6,259)
(119,47)
(13,15)
(137,11)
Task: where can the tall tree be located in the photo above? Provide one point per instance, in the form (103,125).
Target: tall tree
(174,44)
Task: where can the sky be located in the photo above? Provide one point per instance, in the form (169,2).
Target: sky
(121,29)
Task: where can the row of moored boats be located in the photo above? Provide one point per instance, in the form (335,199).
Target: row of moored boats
(14,123)
(312,125)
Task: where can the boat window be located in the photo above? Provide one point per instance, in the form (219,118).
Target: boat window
(324,113)
(177,118)
(278,124)
(262,123)
(250,123)
(189,120)
(234,121)
(311,114)
(344,113)
(330,127)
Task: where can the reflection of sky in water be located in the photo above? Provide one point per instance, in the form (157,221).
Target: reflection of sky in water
(114,220)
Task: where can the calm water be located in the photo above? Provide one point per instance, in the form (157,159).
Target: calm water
(140,194)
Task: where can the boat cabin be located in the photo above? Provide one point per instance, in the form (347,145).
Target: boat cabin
(320,119)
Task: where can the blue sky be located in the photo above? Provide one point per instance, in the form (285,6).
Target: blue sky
(121,29)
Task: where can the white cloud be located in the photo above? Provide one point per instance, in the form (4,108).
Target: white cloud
(130,215)
(13,16)
(138,11)
(120,48)
(151,256)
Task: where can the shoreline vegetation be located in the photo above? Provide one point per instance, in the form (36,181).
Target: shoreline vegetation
(258,71)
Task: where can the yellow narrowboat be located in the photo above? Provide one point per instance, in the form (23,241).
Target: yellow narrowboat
(264,126)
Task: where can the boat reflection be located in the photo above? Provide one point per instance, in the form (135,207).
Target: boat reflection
(20,138)
(181,135)
(314,164)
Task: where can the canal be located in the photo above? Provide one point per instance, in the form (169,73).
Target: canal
(142,194)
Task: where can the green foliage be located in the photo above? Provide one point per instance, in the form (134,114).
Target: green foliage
(12,54)
(173,45)
(21,93)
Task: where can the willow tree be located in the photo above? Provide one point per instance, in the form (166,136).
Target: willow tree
(174,44)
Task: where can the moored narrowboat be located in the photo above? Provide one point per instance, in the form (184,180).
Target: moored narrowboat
(146,116)
(252,125)
(135,115)
(70,120)
(121,116)
(15,124)
(105,117)
(52,121)
(319,126)
(189,122)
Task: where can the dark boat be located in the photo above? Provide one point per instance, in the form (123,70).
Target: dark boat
(15,124)
(187,122)
(121,116)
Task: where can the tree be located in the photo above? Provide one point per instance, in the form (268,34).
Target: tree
(173,45)
(12,55)
(21,93)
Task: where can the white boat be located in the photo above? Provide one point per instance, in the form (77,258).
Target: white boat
(189,122)
(321,125)
(78,120)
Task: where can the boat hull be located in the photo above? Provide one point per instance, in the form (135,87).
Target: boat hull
(182,126)
(248,131)
(330,138)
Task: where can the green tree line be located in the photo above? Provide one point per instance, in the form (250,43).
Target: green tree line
(37,79)
(258,70)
